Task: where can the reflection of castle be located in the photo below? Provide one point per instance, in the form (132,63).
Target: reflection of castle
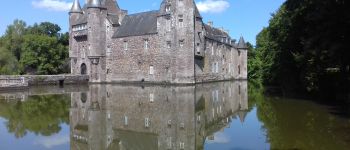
(154,117)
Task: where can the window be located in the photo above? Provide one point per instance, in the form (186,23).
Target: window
(146,44)
(83,53)
(168,44)
(181,21)
(239,69)
(167,8)
(151,70)
(108,50)
(212,48)
(168,24)
(125,45)
(147,122)
(151,97)
(181,43)
(198,48)
(217,67)
(126,120)
(229,67)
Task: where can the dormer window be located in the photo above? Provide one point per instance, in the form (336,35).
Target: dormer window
(167,8)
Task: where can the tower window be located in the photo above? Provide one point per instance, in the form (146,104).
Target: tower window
(181,43)
(181,21)
(125,45)
(146,44)
(168,44)
(151,70)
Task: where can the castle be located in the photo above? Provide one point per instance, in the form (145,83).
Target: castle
(169,45)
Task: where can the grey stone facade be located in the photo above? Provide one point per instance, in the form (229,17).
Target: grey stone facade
(169,45)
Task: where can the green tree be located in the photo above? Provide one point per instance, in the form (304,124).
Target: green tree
(304,48)
(42,54)
(13,38)
(8,62)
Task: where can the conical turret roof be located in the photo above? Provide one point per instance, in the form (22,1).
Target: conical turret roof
(75,7)
(94,3)
(242,44)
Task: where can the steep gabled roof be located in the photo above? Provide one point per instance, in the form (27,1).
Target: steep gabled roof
(138,24)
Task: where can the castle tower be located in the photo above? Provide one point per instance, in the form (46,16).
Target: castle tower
(96,15)
(243,55)
(74,14)
(176,33)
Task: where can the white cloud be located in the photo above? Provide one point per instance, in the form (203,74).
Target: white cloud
(52,5)
(52,141)
(213,6)
(219,138)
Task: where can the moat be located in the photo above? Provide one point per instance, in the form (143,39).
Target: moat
(223,115)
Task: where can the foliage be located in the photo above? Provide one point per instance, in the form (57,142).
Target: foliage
(38,49)
(8,62)
(304,47)
(41,115)
(43,54)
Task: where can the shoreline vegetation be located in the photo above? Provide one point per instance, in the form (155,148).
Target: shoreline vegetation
(40,49)
(303,51)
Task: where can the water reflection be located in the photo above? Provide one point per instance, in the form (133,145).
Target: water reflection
(154,117)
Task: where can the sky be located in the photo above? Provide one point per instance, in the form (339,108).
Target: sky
(241,17)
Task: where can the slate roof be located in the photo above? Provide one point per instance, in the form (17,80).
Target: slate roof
(214,33)
(242,44)
(138,24)
(82,19)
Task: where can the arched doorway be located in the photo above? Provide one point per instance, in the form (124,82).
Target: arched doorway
(83,69)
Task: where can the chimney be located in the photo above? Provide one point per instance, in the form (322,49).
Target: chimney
(210,23)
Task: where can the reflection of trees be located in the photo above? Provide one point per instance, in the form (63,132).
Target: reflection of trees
(297,124)
(39,114)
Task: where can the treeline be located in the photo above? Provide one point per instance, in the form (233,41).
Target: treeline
(39,49)
(305,49)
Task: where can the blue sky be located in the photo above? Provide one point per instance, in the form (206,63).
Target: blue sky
(240,17)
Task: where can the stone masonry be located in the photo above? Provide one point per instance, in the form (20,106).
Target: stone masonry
(169,45)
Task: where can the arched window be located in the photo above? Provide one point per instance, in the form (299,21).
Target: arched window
(83,69)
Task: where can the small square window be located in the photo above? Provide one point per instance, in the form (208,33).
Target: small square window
(181,43)
(168,44)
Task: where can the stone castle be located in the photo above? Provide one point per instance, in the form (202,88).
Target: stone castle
(169,45)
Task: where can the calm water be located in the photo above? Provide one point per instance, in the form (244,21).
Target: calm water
(218,116)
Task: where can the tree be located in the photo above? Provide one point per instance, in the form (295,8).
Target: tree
(8,62)
(43,54)
(14,36)
(304,48)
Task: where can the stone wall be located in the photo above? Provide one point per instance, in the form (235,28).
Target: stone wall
(7,82)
